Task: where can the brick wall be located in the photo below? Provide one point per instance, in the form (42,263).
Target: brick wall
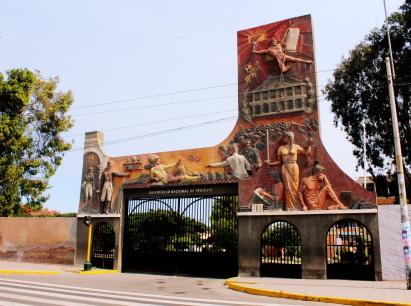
(40,240)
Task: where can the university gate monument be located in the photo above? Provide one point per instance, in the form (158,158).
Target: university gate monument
(267,200)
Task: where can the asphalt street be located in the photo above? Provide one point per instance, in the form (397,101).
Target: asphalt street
(69,288)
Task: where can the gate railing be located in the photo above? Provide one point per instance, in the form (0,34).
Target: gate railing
(199,224)
(281,244)
(349,243)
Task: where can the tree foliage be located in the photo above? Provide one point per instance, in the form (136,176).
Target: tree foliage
(358,92)
(33,115)
(224,223)
(164,230)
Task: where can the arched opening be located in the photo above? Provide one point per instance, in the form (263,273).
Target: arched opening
(103,247)
(181,235)
(349,251)
(281,250)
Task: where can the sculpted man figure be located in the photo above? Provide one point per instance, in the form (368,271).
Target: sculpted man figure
(316,192)
(276,51)
(107,190)
(251,154)
(238,163)
(88,185)
(287,155)
(175,172)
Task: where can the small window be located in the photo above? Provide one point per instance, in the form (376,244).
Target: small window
(274,107)
(265,108)
(257,110)
(298,103)
(265,95)
(257,96)
(290,92)
(290,104)
(272,94)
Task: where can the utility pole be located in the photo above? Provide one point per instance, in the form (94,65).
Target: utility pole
(405,223)
(365,155)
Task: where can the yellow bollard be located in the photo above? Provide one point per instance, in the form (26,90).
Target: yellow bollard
(87,265)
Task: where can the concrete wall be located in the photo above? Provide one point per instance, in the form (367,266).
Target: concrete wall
(40,240)
(392,259)
(82,235)
(313,227)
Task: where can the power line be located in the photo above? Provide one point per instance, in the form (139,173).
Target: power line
(177,92)
(196,100)
(158,121)
(153,105)
(158,95)
(193,116)
(187,127)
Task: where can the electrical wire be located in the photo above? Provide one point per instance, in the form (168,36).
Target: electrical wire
(171,93)
(153,105)
(155,122)
(182,128)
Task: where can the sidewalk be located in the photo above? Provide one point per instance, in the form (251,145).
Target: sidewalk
(345,292)
(13,267)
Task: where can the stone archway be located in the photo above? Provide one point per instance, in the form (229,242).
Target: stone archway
(281,250)
(349,248)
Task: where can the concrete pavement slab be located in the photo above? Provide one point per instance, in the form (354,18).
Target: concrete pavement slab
(345,292)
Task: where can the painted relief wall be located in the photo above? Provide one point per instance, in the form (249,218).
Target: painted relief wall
(274,152)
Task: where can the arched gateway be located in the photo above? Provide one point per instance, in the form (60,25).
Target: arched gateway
(177,212)
(281,250)
(181,230)
(350,253)
(103,246)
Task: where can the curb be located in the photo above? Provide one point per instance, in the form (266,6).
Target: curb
(234,285)
(29,272)
(94,272)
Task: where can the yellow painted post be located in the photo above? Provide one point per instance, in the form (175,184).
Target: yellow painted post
(87,222)
(90,229)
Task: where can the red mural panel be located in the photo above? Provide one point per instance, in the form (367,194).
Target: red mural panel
(274,152)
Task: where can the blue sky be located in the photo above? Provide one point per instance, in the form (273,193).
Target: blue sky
(108,51)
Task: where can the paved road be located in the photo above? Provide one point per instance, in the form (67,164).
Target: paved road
(125,289)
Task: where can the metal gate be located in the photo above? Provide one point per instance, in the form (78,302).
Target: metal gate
(102,252)
(181,235)
(281,251)
(349,251)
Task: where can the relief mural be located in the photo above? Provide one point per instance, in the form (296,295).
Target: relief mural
(274,152)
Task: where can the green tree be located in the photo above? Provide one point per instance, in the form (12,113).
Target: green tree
(33,114)
(224,223)
(359,91)
(164,230)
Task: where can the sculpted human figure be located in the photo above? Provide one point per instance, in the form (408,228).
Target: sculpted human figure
(287,155)
(175,172)
(251,154)
(316,192)
(276,51)
(107,189)
(238,163)
(88,185)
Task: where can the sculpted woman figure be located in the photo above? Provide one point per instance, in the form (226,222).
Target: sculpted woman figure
(287,155)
